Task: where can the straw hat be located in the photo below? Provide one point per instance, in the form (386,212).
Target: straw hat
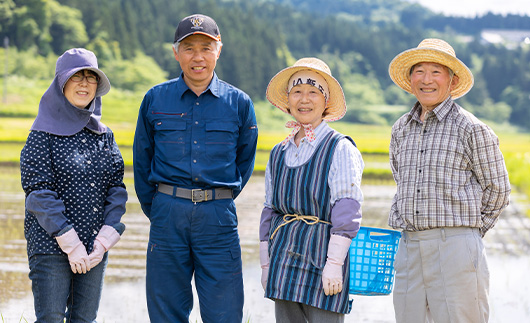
(277,88)
(435,51)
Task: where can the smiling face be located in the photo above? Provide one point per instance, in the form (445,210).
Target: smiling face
(307,104)
(197,56)
(431,83)
(80,94)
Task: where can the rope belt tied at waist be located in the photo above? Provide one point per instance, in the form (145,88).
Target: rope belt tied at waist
(308,219)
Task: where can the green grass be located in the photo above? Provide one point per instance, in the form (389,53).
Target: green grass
(22,318)
(120,111)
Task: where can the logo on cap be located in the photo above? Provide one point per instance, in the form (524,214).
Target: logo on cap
(197,22)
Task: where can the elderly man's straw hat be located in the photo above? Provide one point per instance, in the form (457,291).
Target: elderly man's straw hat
(434,51)
(277,89)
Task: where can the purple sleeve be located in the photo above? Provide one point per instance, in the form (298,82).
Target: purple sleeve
(265,223)
(346,218)
(115,205)
(46,206)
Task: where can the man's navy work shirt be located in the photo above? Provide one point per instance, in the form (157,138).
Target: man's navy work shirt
(193,142)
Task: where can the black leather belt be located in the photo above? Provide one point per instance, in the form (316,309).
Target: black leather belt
(196,195)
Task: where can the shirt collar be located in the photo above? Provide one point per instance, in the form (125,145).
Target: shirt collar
(320,132)
(213,87)
(441,111)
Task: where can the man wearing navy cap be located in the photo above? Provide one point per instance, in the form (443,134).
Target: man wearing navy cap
(194,151)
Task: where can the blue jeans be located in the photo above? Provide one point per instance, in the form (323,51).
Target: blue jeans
(59,293)
(199,240)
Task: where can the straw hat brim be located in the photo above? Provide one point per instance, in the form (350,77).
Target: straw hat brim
(399,68)
(278,96)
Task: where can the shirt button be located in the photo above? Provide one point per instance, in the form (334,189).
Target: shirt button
(89,162)
(417,212)
(196,122)
(95,209)
(196,179)
(418,191)
(195,161)
(92,184)
(420,170)
(83,140)
(195,141)
(95,232)
(196,103)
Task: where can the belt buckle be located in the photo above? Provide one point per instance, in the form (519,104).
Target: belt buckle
(200,199)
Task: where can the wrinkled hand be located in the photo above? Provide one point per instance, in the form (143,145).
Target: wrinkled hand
(96,255)
(264,262)
(76,251)
(332,279)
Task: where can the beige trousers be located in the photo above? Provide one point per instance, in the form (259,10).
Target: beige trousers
(442,276)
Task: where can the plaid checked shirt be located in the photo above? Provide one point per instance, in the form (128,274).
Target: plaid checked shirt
(449,171)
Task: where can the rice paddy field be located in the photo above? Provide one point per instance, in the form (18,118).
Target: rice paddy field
(508,244)
(19,106)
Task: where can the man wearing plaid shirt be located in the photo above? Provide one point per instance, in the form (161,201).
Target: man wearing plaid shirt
(452,185)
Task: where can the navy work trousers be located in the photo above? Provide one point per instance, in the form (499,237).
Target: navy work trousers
(189,238)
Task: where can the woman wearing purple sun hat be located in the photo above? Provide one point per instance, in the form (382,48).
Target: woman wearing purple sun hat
(72,174)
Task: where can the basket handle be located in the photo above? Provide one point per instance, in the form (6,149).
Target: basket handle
(383,235)
(376,236)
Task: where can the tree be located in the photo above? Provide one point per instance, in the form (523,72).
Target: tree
(66,29)
(6,15)
(519,101)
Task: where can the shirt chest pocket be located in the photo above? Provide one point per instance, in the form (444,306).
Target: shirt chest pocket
(221,140)
(172,142)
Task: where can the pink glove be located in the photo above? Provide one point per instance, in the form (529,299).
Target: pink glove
(264,262)
(332,273)
(106,239)
(96,255)
(74,248)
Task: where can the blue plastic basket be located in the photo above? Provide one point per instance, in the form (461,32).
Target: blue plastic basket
(372,254)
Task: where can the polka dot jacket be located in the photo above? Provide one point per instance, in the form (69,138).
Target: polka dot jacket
(70,181)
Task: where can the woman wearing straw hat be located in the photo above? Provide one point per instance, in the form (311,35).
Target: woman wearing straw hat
(452,185)
(72,174)
(313,199)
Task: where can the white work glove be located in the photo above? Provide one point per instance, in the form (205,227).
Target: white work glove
(264,262)
(74,248)
(106,239)
(332,273)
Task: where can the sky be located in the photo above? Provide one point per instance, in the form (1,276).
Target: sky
(471,8)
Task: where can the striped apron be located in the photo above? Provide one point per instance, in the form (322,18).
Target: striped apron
(298,247)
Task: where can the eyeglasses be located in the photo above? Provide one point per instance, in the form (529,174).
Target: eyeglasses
(92,79)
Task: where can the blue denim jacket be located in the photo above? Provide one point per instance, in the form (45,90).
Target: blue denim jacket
(192,141)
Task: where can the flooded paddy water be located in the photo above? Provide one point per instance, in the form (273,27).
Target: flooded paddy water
(123,300)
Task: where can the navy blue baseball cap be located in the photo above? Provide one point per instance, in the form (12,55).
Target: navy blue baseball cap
(197,24)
